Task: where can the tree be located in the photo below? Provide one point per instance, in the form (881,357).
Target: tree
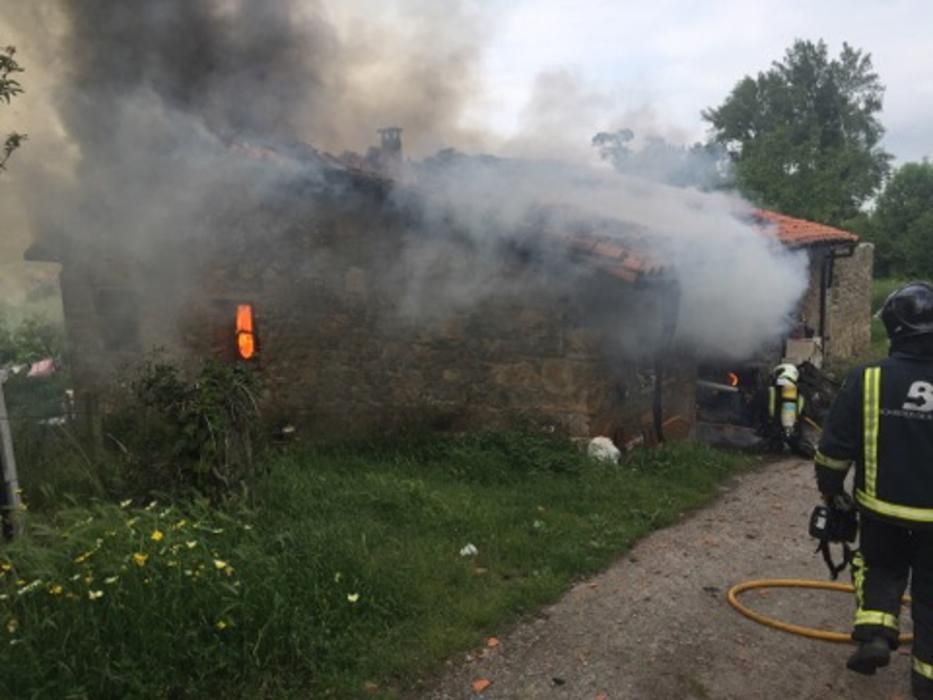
(703,166)
(902,223)
(804,136)
(9,88)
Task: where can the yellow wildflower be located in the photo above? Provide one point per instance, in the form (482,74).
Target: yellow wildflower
(12,625)
(152,505)
(56,589)
(88,579)
(131,522)
(353,597)
(191,544)
(110,580)
(6,566)
(220,564)
(156,536)
(180,524)
(94,595)
(228,570)
(221,624)
(81,558)
(30,587)
(126,503)
(140,559)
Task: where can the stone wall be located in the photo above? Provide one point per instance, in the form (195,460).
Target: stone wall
(848,322)
(364,324)
(850,299)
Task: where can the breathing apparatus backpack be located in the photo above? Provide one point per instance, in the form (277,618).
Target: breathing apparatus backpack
(836,522)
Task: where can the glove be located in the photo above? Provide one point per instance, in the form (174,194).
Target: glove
(835,522)
(841,502)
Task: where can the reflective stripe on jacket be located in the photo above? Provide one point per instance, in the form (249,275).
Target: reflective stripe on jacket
(882,421)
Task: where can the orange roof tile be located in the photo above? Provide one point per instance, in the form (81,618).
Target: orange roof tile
(614,256)
(800,232)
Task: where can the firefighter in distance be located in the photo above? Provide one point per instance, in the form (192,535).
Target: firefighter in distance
(882,422)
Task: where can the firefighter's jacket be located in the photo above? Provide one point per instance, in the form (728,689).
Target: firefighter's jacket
(882,421)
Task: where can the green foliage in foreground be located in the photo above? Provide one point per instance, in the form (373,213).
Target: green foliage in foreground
(346,571)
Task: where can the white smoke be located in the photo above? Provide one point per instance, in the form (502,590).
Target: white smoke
(738,284)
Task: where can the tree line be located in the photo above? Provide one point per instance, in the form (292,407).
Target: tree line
(804,138)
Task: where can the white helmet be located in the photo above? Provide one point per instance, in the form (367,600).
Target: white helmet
(786,374)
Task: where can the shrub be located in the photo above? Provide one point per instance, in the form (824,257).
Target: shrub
(178,433)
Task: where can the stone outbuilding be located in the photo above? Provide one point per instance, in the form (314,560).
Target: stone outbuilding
(362,314)
(836,307)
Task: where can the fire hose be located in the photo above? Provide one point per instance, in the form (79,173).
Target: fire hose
(813,633)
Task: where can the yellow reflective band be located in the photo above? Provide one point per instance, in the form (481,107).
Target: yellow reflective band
(876,617)
(858,578)
(910,513)
(872,412)
(923,668)
(772,395)
(838,464)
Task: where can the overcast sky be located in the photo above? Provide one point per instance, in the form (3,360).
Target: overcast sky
(654,65)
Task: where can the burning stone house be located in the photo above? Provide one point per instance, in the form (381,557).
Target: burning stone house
(363,312)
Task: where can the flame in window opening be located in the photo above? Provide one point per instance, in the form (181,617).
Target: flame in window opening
(245,338)
(733,379)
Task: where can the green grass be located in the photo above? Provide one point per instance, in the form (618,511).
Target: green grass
(346,569)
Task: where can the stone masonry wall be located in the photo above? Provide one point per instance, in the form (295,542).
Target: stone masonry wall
(850,304)
(848,324)
(362,326)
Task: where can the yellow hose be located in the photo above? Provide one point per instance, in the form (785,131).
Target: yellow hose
(733,597)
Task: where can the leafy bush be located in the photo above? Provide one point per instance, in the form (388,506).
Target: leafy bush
(178,433)
(34,338)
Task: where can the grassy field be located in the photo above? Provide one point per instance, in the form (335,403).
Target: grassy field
(341,576)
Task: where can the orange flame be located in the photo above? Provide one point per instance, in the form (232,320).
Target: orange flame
(245,340)
(733,379)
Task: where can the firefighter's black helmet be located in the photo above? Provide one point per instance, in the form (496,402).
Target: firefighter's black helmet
(908,311)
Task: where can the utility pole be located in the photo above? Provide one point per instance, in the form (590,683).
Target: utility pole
(10,495)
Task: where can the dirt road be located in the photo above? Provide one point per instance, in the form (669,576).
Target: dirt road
(656,625)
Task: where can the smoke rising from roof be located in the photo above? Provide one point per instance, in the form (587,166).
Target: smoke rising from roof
(149,97)
(737,283)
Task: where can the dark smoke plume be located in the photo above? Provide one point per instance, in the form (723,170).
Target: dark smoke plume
(244,67)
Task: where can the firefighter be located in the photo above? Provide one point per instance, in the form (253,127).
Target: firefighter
(882,421)
(785,405)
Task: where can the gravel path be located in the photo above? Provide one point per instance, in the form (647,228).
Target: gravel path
(656,625)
